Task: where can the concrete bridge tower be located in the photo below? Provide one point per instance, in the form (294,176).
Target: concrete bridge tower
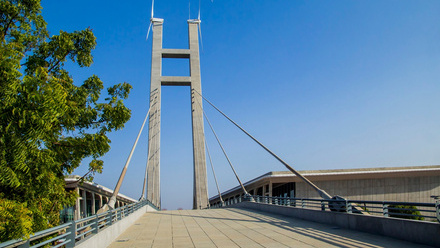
(194,81)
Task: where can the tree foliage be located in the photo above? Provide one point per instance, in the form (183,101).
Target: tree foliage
(48,124)
(404,212)
(15,219)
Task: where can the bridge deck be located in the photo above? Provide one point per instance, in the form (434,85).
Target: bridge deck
(241,228)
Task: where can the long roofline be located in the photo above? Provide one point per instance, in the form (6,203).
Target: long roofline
(73,178)
(335,172)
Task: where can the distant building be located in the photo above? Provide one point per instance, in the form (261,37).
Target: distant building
(92,197)
(409,184)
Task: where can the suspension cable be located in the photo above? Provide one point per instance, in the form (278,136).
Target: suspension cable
(221,146)
(213,172)
(321,192)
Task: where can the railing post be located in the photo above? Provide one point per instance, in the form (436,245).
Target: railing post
(72,234)
(26,244)
(437,209)
(322,205)
(386,210)
(95,224)
(110,216)
(303,203)
(348,207)
(288,202)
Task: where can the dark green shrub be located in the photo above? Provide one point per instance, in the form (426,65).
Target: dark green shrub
(396,211)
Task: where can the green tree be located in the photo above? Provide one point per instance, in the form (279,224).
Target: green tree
(48,124)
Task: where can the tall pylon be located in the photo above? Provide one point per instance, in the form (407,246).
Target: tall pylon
(194,81)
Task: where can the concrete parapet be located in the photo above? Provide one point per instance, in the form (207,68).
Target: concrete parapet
(150,209)
(106,236)
(416,231)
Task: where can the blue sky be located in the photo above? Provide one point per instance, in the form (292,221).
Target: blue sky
(324,84)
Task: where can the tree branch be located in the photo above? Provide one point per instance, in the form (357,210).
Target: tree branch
(8,26)
(58,62)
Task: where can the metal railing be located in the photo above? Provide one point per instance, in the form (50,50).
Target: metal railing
(407,210)
(71,233)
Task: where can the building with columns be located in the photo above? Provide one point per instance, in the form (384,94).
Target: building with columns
(92,197)
(406,184)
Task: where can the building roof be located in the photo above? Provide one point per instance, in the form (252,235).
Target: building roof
(341,174)
(72,182)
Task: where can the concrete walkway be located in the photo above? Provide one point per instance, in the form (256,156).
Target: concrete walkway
(241,228)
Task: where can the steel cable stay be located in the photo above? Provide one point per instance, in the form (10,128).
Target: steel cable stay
(213,172)
(223,150)
(321,192)
(112,201)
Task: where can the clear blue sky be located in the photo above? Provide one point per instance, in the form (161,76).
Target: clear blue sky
(324,84)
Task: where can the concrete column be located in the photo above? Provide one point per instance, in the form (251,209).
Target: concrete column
(84,204)
(93,203)
(100,201)
(153,170)
(77,206)
(200,177)
(270,189)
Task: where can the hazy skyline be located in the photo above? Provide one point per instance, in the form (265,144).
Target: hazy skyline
(324,84)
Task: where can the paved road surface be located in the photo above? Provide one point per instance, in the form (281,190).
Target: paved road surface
(241,228)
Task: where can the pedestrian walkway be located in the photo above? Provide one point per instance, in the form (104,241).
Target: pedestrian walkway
(241,228)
